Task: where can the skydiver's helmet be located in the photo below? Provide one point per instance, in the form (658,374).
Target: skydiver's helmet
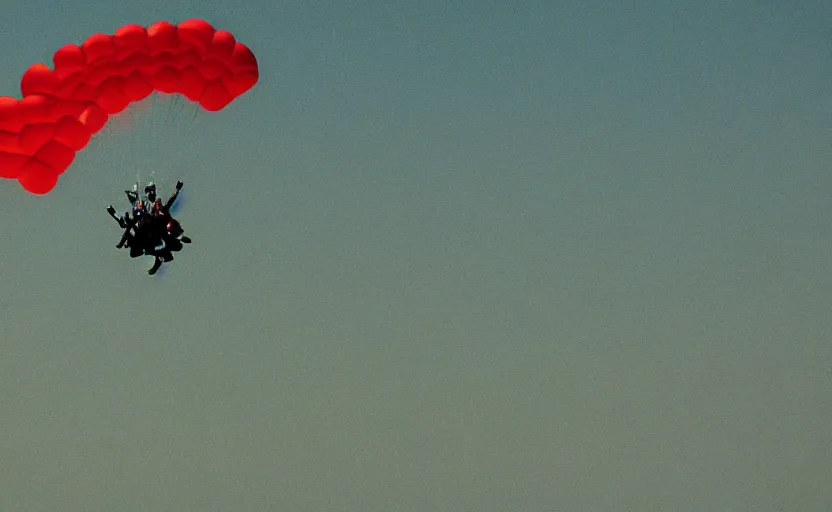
(174,228)
(150,191)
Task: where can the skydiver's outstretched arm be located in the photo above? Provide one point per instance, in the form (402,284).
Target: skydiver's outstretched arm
(132,196)
(170,202)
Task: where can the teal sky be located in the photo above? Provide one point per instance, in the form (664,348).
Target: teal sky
(472,255)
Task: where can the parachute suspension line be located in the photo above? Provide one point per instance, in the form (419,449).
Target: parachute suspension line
(173,112)
(149,161)
(161,137)
(178,107)
(154,130)
(144,111)
(172,121)
(117,159)
(164,128)
(135,119)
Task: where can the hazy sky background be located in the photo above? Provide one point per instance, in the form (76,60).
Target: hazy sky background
(471,255)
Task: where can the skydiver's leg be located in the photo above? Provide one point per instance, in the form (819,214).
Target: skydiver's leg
(156,264)
(129,222)
(125,237)
(172,244)
(179,235)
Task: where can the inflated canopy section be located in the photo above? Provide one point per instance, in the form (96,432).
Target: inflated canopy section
(62,108)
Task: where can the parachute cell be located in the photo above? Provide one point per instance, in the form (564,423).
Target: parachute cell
(63,107)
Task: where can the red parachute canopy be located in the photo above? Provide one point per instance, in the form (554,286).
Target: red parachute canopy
(63,107)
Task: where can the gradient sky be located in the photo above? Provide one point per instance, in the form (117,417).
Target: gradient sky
(471,255)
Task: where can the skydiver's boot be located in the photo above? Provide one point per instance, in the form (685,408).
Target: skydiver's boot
(185,240)
(156,264)
(112,212)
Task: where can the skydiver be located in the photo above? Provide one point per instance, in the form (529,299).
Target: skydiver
(150,192)
(160,234)
(174,235)
(146,207)
(172,239)
(136,223)
(133,195)
(167,226)
(147,219)
(151,230)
